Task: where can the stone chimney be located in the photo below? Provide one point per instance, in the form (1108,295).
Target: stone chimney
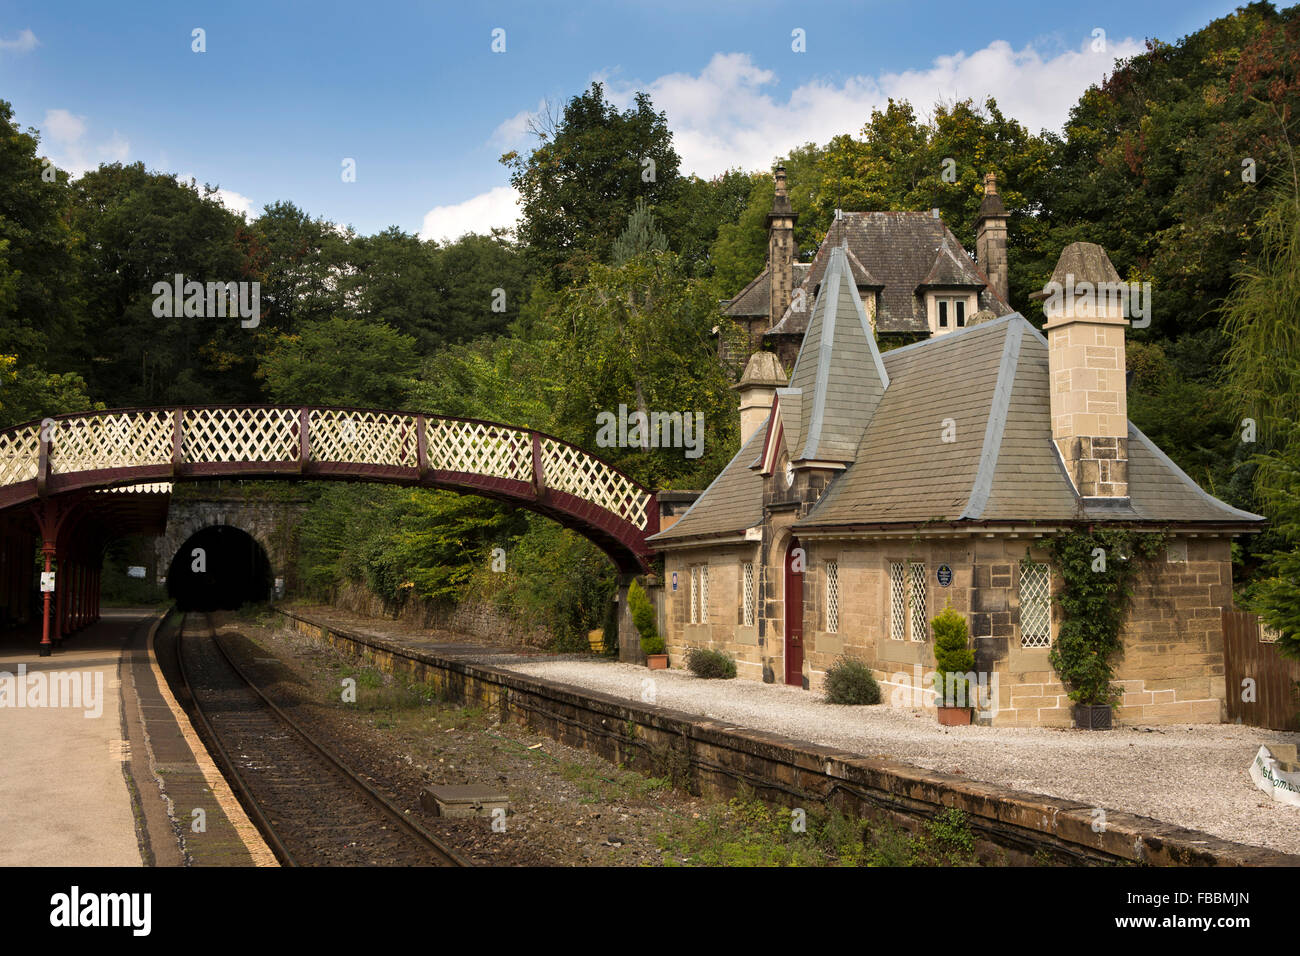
(757,387)
(781,250)
(991,237)
(1085,335)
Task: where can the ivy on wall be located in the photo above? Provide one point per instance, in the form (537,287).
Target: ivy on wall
(1098,568)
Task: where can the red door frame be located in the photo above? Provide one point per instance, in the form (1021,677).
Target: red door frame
(793,617)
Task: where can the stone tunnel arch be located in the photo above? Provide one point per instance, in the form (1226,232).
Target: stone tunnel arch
(219,567)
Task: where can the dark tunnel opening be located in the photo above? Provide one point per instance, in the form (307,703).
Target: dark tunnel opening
(219,569)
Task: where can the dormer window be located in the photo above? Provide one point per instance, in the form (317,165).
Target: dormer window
(952,313)
(949,311)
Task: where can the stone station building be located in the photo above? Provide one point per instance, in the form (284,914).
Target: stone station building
(874,489)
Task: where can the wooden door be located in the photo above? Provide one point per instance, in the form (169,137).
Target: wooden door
(1273,703)
(794,613)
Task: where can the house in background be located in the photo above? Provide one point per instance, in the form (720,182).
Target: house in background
(874,489)
(912,275)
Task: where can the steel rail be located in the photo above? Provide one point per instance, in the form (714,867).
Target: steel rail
(375,796)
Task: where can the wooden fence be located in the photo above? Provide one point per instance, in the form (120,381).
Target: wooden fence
(1275,677)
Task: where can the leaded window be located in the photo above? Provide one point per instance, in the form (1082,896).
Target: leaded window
(832,596)
(1035,605)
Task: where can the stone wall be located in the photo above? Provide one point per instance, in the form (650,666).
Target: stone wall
(484,621)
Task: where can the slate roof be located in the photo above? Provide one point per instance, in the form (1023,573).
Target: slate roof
(753,301)
(991,380)
(838,373)
(732,503)
(899,252)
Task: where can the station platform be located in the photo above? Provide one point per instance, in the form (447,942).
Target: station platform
(99,765)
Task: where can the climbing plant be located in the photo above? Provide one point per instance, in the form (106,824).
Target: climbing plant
(1098,568)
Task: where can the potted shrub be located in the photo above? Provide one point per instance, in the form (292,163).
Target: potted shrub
(953,660)
(643,619)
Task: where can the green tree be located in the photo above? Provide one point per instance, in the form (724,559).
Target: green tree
(298,261)
(579,184)
(340,361)
(641,335)
(28,392)
(41,300)
(1262,379)
(142,228)
(639,236)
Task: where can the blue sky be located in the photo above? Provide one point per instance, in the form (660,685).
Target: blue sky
(414,94)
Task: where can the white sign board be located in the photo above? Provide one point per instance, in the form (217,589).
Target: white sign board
(47,581)
(135,571)
(1282,785)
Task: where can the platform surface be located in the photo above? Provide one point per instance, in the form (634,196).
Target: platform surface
(64,799)
(111,777)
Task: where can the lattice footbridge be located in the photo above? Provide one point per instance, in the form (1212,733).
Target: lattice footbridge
(533,470)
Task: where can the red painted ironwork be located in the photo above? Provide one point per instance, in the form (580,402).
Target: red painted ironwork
(129,446)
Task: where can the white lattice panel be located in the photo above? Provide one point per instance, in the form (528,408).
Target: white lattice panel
(704,594)
(480,449)
(20,453)
(920,625)
(832,597)
(370,438)
(897,602)
(749,593)
(695,595)
(1035,606)
(240,434)
(570,469)
(126,440)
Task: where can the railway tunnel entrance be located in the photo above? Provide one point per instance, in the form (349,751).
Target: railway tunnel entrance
(219,568)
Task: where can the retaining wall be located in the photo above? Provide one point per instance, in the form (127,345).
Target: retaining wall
(721,760)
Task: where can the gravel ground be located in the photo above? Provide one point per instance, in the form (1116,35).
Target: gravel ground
(1190,775)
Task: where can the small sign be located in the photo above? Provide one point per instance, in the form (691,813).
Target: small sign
(674,580)
(47,582)
(945,575)
(135,571)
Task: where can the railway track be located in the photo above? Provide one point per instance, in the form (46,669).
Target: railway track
(310,807)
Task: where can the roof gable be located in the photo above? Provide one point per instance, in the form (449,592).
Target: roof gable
(839,372)
(896,253)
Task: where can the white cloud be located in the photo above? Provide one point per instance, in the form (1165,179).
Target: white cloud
(64,128)
(514,132)
(235,202)
(726,115)
(25,43)
(66,132)
(496,207)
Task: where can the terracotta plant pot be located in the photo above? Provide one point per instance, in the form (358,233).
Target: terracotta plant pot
(954,716)
(1093,716)
(657,662)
